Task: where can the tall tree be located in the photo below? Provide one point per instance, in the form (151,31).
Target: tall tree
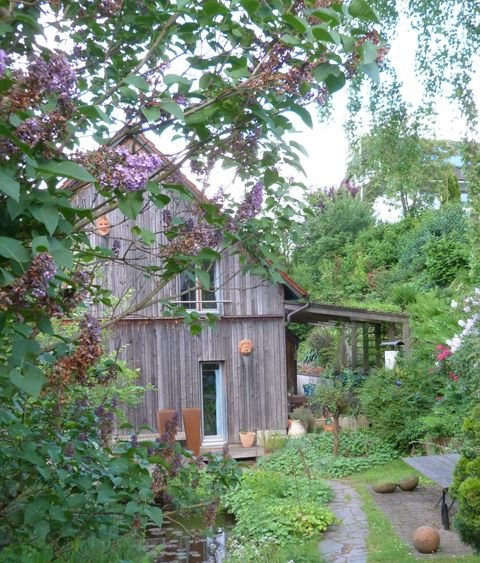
(222,77)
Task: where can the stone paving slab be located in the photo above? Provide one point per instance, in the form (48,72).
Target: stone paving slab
(346,542)
(409,510)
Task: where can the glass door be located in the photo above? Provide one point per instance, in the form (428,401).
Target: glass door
(214,417)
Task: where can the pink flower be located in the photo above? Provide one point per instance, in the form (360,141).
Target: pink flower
(453,376)
(438,398)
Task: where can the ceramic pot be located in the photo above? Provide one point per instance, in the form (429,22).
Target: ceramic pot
(296,429)
(247,439)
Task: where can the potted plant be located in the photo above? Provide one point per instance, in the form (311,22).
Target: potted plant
(305,416)
(247,438)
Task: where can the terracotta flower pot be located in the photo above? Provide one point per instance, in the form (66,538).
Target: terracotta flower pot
(247,439)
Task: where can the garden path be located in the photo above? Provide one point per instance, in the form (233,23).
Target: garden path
(346,542)
(409,510)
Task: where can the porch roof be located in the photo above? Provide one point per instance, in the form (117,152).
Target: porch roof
(320,313)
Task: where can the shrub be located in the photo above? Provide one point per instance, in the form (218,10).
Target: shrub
(393,400)
(466,485)
(359,450)
(278,505)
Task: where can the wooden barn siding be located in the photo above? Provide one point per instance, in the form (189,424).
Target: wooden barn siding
(169,357)
(244,293)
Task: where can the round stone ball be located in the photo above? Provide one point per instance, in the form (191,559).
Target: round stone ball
(426,539)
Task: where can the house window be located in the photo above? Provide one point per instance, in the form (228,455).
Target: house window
(197,289)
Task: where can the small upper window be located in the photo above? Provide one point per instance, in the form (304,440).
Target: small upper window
(197,289)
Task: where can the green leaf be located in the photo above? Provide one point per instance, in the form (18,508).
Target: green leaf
(40,244)
(76,501)
(46,214)
(31,383)
(251,6)
(303,113)
(270,177)
(297,23)
(320,33)
(169,79)
(131,204)
(5,28)
(12,249)
(94,112)
(200,115)
(327,15)
(208,254)
(300,148)
(66,169)
(290,40)
(155,515)
(361,9)
(173,108)
(323,70)
(203,278)
(152,113)
(57,513)
(335,83)
(35,510)
(137,81)
(147,236)
(105,493)
(368,52)
(371,70)
(9,186)
(132,508)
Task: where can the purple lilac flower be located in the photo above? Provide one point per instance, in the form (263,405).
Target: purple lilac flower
(3,61)
(118,169)
(167,218)
(41,271)
(91,329)
(69,450)
(251,205)
(53,77)
(116,248)
(134,441)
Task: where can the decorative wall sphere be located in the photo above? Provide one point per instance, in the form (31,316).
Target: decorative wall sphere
(426,539)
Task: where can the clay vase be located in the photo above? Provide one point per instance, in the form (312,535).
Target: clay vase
(296,429)
(426,539)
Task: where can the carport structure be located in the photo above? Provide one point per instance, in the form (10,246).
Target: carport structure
(362,329)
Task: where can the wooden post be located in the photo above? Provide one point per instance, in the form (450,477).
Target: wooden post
(343,348)
(406,337)
(354,346)
(378,341)
(366,365)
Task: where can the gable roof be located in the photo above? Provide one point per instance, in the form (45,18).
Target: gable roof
(139,142)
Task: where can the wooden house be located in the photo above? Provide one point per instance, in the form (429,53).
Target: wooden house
(236,371)
(241,372)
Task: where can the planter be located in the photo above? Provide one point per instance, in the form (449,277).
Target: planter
(296,429)
(328,426)
(247,439)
